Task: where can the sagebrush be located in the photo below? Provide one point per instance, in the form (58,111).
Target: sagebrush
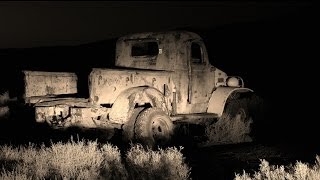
(161,164)
(4,109)
(228,131)
(90,160)
(233,129)
(299,171)
(4,98)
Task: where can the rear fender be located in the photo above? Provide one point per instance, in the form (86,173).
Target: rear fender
(131,98)
(219,98)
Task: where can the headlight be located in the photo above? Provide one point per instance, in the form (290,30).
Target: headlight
(233,82)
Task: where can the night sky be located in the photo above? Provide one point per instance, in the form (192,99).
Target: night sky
(32,24)
(272,45)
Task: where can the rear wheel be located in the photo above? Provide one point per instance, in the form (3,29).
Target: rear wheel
(153,127)
(128,128)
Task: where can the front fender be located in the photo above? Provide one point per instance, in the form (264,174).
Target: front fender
(219,98)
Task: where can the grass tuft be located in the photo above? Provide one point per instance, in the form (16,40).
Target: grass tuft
(228,131)
(162,164)
(300,171)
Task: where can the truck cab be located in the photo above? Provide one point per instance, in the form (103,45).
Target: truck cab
(181,52)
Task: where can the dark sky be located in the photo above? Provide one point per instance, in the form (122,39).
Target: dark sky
(52,23)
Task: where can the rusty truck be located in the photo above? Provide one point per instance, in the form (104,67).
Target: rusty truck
(162,79)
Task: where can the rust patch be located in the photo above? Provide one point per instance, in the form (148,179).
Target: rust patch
(77,112)
(96,98)
(49,90)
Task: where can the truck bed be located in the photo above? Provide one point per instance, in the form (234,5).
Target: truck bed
(43,85)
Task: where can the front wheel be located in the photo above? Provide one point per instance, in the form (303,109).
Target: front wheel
(153,127)
(237,110)
(235,124)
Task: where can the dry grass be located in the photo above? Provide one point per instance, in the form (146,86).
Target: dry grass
(4,98)
(4,112)
(90,160)
(162,164)
(72,160)
(300,171)
(233,130)
(228,131)
(4,109)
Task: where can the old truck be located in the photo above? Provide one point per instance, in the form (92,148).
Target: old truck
(162,79)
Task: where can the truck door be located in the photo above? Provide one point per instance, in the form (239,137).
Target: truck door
(200,82)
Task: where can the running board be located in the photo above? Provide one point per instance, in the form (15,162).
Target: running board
(194,118)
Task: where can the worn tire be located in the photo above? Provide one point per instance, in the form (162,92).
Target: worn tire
(238,120)
(128,128)
(237,108)
(247,107)
(153,128)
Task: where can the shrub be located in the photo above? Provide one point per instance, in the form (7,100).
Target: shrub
(233,130)
(75,160)
(112,166)
(228,131)
(90,160)
(161,164)
(4,112)
(4,109)
(72,160)
(4,98)
(300,171)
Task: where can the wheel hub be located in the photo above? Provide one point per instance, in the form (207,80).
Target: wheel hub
(159,129)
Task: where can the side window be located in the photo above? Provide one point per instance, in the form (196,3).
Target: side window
(196,54)
(145,49)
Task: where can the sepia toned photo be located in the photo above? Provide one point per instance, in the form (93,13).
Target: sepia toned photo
(158,90)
